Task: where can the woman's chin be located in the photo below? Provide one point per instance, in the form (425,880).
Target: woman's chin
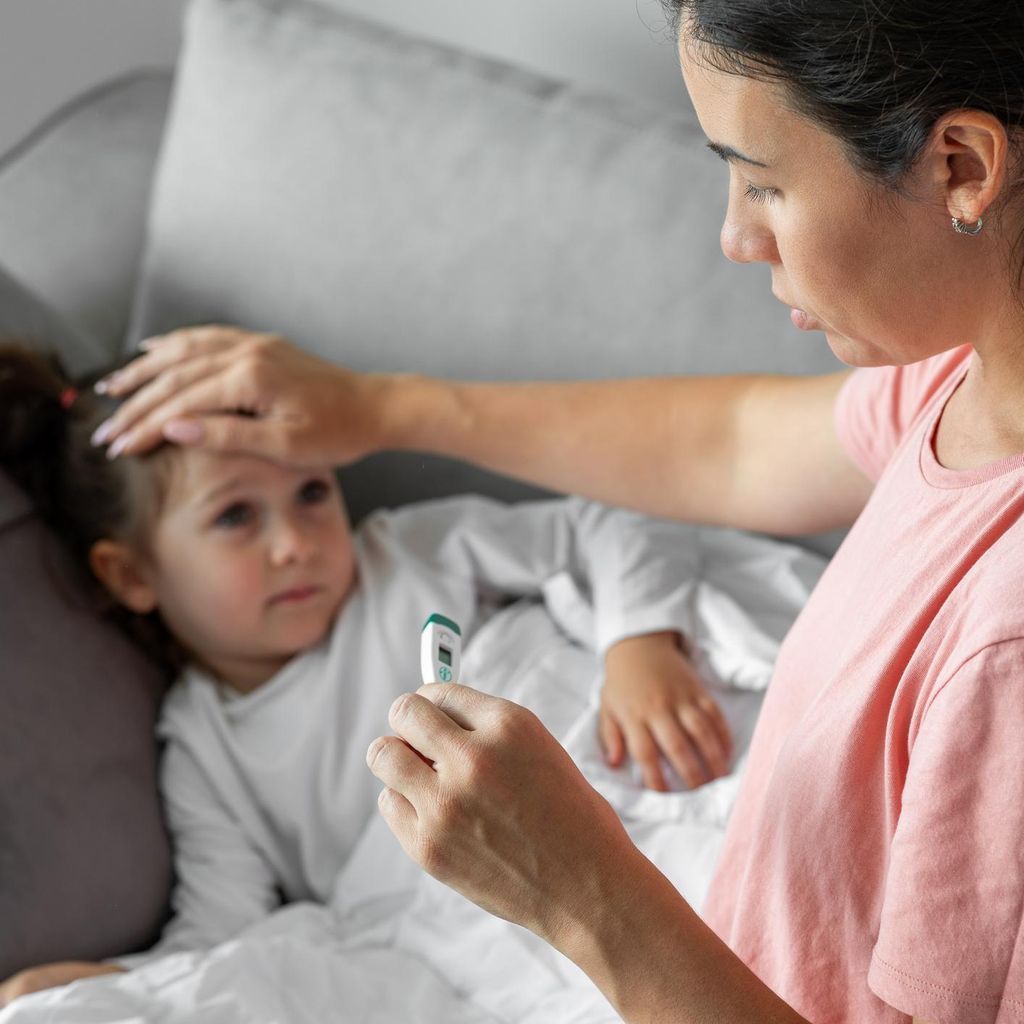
(850,352)
(841,347)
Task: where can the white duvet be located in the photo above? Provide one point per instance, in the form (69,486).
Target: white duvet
(395,946)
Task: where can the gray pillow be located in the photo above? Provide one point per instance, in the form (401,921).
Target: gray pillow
(84,858)
(393,204)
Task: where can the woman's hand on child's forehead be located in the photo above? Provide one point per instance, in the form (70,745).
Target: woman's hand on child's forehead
(231,390)
(164,383)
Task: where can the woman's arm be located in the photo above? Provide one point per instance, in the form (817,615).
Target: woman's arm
(656,960)
(504,816)
(749,451)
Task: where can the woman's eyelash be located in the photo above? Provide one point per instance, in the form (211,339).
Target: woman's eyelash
(759,195)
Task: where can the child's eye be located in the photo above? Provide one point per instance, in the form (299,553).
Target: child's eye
(312,492)
(234,515)
(759,195)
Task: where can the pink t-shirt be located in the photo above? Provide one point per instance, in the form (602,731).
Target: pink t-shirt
(874,865)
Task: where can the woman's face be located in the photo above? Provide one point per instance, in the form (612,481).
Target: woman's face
(885,278)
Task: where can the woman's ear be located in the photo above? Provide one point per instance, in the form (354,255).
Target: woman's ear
(971,151)
(124,574)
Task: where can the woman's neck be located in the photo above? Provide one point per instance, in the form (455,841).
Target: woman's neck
(984,420)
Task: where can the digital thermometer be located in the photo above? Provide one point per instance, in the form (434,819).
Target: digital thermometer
(440,650)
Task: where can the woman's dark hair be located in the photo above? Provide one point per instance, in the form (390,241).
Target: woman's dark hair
(877,74)
(46,425)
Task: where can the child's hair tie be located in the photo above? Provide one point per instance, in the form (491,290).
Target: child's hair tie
(67,397)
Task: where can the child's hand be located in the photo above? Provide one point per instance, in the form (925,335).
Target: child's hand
(654,705)
(35,979)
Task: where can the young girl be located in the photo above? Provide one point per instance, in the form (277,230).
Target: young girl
(291,636)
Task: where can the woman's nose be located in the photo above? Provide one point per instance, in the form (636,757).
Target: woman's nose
(747,240)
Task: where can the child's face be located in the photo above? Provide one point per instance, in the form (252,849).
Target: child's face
(250,561)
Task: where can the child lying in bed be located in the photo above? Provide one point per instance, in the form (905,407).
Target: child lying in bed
(290,637)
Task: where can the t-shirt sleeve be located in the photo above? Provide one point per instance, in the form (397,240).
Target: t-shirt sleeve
(877,406)
(950,946)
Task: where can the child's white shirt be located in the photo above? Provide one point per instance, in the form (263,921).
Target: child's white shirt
(266,793)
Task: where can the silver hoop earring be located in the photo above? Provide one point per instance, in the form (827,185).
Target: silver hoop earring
(962,229)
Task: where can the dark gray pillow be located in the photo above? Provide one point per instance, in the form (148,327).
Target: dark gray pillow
(84,857)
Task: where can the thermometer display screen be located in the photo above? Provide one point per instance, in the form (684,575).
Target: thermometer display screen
(445,655)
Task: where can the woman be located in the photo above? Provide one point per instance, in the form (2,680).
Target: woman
(873,870)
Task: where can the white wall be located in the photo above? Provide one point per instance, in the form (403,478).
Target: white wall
(52,49)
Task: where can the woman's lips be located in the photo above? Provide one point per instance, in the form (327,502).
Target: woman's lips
(800,317)
(803,320)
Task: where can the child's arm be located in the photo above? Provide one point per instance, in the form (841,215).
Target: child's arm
(654,706)
(640,573)
(37,979)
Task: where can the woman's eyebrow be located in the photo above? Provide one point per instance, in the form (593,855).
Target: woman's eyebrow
(728,153)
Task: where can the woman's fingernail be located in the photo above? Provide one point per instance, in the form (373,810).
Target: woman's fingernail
(147,343)
(102,432)
(183,431)
(118,446)
(111,382)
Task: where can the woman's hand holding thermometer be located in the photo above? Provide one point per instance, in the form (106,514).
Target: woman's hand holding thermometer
(440,650)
